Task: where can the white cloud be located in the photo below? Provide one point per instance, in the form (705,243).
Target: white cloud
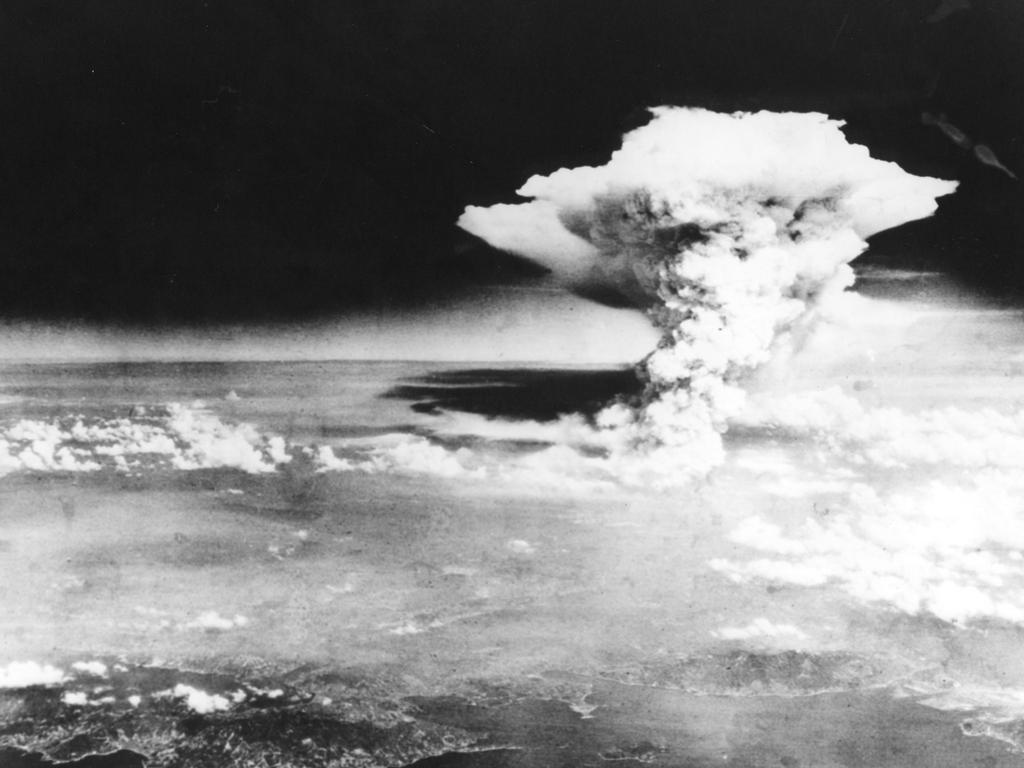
(950,549)
(95,668)
(408,628)
(21,674)
(402,453)
(760,628)
(175,436)
(890,437)
(200,701)
(411,453)
(326,461)
(520,547)
(211,620)
(731,229)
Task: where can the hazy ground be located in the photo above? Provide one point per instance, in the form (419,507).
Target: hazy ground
(300,617)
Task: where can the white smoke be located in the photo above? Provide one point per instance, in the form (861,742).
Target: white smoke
(730,230)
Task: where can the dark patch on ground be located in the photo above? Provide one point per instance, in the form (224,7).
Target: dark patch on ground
(530,722)
(12,757)
(537,394)
(102,565)
(273,724)
(152,480)
(489,758)
(334,432)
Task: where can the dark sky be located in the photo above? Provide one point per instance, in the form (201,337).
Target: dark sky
(270,159)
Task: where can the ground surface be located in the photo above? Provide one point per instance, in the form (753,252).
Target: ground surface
(426,611)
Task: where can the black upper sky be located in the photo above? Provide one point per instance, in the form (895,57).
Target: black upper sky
(194,161)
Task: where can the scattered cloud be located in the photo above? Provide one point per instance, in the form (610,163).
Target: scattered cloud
(954,550)
(21,674)
(760,629)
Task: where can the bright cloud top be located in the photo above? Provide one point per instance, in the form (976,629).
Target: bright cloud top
(730,230)
(171,437)
(953,550)
(185,438)
(942,533)
(890,437)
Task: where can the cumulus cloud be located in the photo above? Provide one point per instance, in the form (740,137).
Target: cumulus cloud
(951,549)
(890,437)
(760,629)
(207,442)
(94,668)
(211,620)
(412,453)
(847,437)
(326,460)
(520,547)
(193,437)
(941,534)
(21,674)
(74,698)
(174,436)
(200,701)
(398,452)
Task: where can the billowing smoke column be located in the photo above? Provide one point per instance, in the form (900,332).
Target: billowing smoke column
(729,229)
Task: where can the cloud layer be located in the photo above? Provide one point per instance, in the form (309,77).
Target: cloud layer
(168,437)
(921,511)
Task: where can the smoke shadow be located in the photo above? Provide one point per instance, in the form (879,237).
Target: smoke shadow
(541,394)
